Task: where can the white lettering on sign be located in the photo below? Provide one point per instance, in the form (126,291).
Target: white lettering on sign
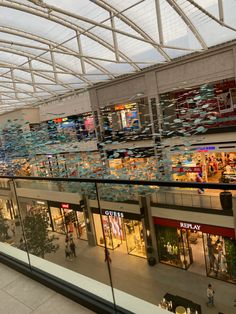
(187,225)
(114,214)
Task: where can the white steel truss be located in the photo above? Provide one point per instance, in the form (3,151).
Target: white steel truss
(83,42)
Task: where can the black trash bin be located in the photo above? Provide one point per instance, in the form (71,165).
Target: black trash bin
(152,261)
(226,200)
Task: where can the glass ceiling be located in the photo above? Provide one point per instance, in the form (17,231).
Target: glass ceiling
(53,47)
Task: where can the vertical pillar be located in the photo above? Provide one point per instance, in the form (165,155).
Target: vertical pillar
(96,113)
(234,213)
(14,198)
(234,61)
(149,231)
(88,220)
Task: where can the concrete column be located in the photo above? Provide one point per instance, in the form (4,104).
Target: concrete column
(96,113)
(234,59)
(234,213)
(88,215)
(149,230)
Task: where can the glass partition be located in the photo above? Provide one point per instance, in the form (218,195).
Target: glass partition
(118,240)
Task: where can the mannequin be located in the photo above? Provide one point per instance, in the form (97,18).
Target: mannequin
(222,263)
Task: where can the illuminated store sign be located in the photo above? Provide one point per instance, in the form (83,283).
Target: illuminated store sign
(187,225)
(65,206)
(205,148)
(114,214)
(40,202)
(187,169)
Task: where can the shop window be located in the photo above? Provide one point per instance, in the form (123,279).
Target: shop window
(220,253)
(57,220)
(134,237)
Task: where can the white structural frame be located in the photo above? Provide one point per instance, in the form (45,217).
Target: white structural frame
(52,71)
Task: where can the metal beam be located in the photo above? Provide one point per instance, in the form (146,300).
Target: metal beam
(115,42)
(133,25)
(159,22)
(188,22)
(205,12)
(41,13)
(55,45)
(32,75)
(80,52)
(221,10)
(53,64)
(43,60)
(23,81)
(14,83)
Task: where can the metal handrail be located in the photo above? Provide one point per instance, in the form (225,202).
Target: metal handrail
(215,186)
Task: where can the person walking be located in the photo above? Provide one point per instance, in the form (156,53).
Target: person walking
(107,256)
(68,251)
(72,248)
(210,295)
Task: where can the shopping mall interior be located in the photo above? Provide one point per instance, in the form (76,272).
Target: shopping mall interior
(118,151)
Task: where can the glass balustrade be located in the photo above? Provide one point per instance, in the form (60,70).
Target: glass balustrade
(118,240)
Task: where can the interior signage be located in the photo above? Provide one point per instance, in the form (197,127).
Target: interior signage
(119,107)
(65,206)
(191,226)
(114,214)
(187,169)
(205,148)
(40,202)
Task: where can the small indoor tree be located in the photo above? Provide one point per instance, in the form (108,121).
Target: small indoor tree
(38,240)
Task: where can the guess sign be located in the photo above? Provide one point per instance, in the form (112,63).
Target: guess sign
(187,225)
(114,214)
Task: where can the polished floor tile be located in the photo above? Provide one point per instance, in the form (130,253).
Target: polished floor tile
(9,305)
(29,292)
(61,305)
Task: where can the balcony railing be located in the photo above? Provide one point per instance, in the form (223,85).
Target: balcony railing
(98,236)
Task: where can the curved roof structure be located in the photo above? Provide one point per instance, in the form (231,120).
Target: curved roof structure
(52,47)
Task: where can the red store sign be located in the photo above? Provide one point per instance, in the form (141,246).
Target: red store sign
(226,232)
(65,206)
(187,169)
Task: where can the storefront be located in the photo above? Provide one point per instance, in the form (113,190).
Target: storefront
(7,209)
(72,128)
(68,218)
(212,165)
(199,248)
(210,106)
(136,163)
(28,206)
(122,230)
(126,117)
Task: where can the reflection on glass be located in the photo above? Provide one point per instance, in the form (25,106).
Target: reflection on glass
(134,237)
(220,254)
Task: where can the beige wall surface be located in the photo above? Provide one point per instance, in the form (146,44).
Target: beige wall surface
(66,107)
(125,90)
(22,116)
(216,64)
(203,70)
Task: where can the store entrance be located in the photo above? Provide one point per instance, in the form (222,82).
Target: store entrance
(125,235)
(197,252)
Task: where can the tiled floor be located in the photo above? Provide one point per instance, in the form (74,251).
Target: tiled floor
(22,295)
(132,275)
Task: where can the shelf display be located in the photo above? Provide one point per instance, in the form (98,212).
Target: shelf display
(212,166)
